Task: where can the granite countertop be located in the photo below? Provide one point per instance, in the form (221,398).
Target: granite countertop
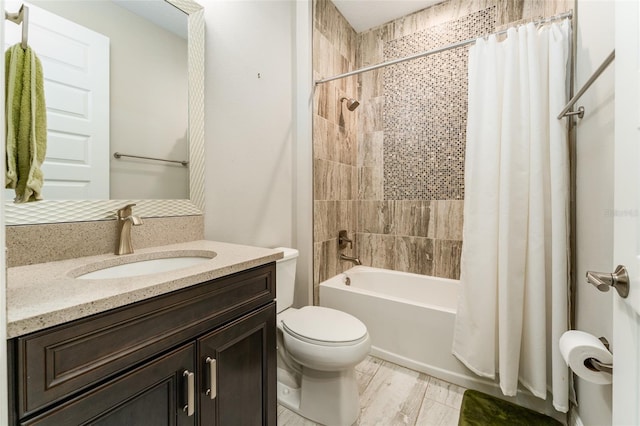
(47,294)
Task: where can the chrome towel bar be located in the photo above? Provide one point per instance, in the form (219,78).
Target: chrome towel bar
(118,155)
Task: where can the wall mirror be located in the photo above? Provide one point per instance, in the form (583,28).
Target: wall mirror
(178,116)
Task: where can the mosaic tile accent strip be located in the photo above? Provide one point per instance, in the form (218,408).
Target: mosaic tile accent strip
(425,111)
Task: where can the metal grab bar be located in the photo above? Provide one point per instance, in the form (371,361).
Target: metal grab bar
(20,17)
(118,155)
(565,111)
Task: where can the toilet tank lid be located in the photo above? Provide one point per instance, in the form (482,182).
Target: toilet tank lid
(289,253)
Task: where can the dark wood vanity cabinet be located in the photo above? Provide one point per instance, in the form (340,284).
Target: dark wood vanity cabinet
(245,376)
(209,349)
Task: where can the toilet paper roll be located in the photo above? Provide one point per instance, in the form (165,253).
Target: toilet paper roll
(577,347)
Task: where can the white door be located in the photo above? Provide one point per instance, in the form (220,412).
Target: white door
(75,62)
(626,319)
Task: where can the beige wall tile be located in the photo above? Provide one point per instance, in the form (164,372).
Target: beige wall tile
(323,61)
(376,250)
(320,185)
(370,49)
(328,264)
(348,186)
(447,258)
(414,254)
(345,146)
(370,150)
(335,154)
(431,233)
(371,85)
(376,217)
(324,220)
(321,138)
(355,181)
(332,216)
(370,183)
(412,218)
(317,261)
(449,219)
(333,181)
(371,116)
(345,217)
(323,96)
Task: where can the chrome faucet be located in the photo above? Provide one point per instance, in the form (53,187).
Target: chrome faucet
(125,220)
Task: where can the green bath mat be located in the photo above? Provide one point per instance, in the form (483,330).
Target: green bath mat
(479,409)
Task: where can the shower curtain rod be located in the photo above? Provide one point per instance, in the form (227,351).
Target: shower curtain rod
(564,15)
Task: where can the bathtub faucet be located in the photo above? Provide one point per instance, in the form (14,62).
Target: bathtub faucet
(355,260)
(344,240)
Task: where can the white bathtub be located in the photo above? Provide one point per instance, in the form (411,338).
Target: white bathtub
(410,318)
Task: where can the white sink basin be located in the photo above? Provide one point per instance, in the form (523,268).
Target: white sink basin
(138,265)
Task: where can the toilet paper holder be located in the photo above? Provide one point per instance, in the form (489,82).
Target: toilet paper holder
(597,365)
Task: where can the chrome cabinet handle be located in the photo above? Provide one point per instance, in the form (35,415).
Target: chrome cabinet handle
(604,280)
(212,385)
(189,408)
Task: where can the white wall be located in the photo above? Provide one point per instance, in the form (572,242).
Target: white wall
(249,121)
(594,196)
(258,130)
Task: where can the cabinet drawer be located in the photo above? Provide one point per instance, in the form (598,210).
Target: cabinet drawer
(55,363)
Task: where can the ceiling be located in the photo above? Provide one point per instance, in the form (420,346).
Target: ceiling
(365,14)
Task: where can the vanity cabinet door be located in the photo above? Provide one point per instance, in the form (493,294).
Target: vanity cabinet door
(153,394)
(244,372)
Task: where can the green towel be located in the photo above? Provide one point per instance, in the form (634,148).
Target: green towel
(26,121)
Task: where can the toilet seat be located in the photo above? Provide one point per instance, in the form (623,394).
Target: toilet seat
(324,326)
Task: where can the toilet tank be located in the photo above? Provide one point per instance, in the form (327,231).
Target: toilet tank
(285,278)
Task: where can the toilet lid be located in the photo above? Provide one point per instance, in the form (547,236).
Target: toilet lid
(324,325)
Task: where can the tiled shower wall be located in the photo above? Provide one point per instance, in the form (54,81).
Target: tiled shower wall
(334,140)
(412,132)
(407,173)
(411,164)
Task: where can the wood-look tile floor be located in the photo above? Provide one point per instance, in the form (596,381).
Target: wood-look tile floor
(391,395)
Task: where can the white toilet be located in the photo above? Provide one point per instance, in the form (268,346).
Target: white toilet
(318,349)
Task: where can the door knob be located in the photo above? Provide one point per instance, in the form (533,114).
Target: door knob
(604,280)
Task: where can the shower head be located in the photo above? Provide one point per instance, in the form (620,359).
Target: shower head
(351,103)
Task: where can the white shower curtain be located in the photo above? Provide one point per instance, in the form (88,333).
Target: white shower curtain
(515,254)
